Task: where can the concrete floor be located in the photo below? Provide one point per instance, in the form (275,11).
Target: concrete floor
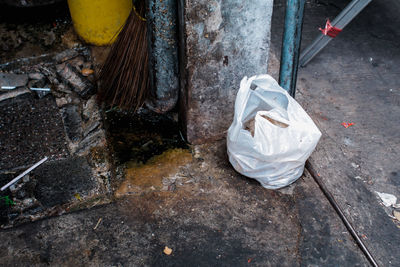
(215,218)
(212,216)
(355,79)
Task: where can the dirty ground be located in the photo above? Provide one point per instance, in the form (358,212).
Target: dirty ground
(203,210)
(355,80)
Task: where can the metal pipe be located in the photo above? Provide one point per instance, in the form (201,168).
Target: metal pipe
(291,45)
(13,181)
(162,36)
(344,18)
(339,211)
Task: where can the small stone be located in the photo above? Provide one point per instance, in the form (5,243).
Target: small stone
(28,202)
(197,154)
(36,76)
(78,82)
(61,102)
(11,79)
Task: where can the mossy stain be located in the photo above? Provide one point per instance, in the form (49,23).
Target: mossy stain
(148,177)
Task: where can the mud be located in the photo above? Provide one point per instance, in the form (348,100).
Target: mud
(150,176)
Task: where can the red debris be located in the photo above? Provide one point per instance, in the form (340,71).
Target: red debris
(347,124)
(330,30)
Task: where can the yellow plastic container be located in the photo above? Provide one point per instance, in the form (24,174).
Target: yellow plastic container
(98,21)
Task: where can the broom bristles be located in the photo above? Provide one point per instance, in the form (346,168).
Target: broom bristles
(124,75)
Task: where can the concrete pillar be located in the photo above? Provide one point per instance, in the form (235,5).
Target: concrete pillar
(221,42)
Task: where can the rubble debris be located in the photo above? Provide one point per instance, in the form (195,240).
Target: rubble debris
(72,122)
(77,62)
(167,251)
(16,179)
(36,76)
(72,97)
(66,55)
(62,101)
(77,81)
(387,199)
(13,80)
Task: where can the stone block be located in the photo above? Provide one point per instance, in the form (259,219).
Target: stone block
(82,86)
(223,41)
(12,79)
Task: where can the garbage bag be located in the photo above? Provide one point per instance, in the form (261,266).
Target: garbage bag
(271,135)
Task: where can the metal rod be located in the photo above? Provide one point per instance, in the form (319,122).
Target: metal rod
(8,87)
(40,89)
(13,181)
(344,18)
(339,211)
(291,45)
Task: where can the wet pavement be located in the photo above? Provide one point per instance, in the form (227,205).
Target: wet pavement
(124,198)
(355,80)
(213,217)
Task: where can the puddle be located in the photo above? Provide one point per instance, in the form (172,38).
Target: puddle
(148,146)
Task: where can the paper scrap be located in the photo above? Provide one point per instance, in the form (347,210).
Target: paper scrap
(167,250)
(387,199)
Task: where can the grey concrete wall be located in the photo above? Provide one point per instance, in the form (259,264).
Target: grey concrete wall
(221,42)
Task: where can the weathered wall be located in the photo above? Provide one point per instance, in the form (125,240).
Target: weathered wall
(221,42)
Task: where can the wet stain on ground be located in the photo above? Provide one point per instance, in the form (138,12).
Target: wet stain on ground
(148,147)
(149,176)
(139,137)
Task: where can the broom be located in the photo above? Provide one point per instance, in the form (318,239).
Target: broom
(124,78)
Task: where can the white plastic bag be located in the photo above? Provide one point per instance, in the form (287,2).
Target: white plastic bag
(284,135)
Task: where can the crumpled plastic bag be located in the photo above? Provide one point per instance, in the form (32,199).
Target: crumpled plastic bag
(271,136)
